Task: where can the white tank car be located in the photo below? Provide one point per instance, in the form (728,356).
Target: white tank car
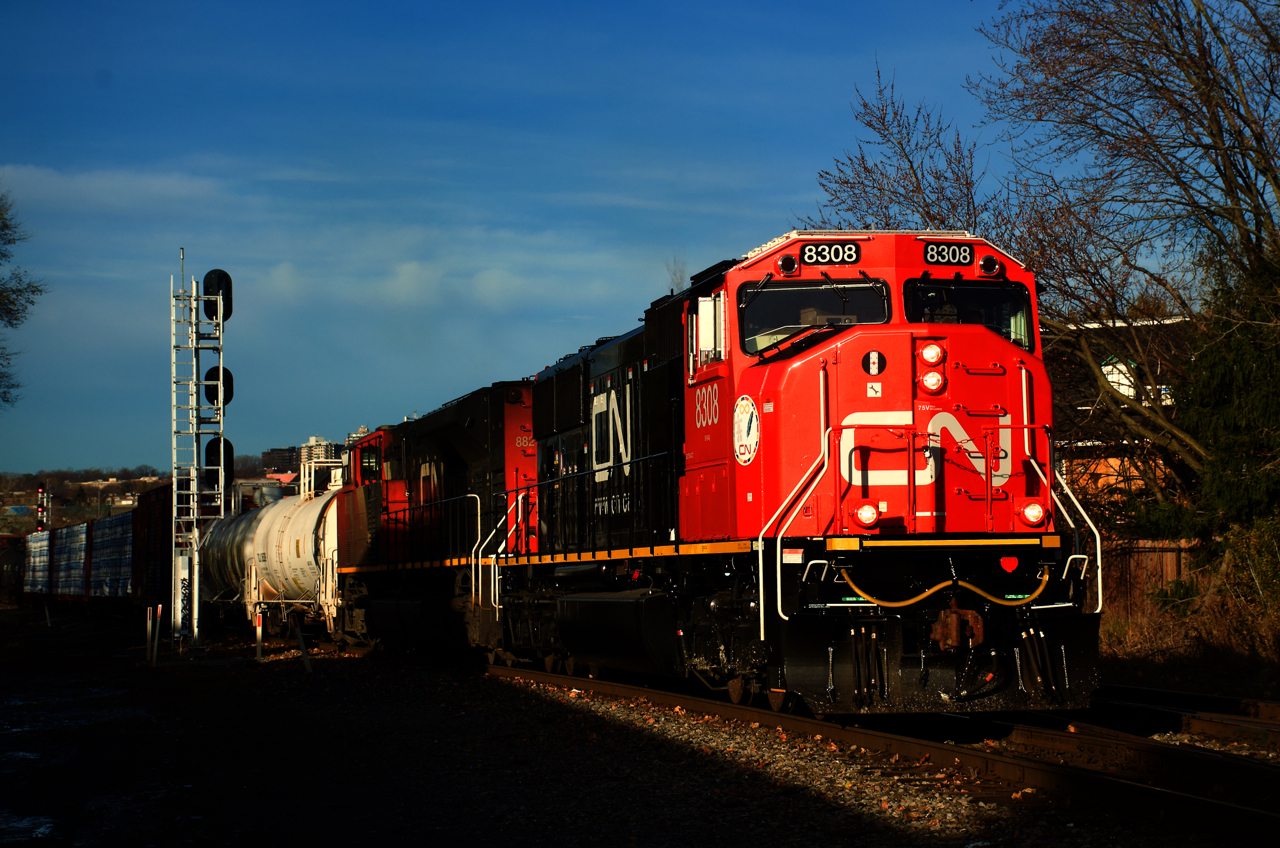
(287,542)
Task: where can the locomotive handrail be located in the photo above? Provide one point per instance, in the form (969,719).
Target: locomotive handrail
(1097,535)
(476,545)
(909,432)
(824,457)
(1026,411)
(495,596)
(989,473)
(556,501)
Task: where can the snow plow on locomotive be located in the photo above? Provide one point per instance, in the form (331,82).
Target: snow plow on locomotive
(823,471)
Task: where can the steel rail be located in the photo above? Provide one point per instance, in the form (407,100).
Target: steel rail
(1076,782)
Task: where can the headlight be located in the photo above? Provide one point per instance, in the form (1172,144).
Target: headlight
(867,514)
(931,354)
(933,381)
(1033,513)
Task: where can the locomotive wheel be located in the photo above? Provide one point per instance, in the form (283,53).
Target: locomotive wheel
(569,666)
(550,661)
(492,657)
(738,689)
(779,701)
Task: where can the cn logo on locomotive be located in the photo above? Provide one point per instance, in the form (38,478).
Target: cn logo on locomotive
(610,443)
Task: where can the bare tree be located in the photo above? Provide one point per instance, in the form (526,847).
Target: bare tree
(1165,115)
(1109,343)
(18,292)
(247,466)
(1160,121)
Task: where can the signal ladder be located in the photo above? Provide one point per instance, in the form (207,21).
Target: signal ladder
(201,478)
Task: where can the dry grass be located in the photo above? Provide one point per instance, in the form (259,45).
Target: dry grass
(1222,648)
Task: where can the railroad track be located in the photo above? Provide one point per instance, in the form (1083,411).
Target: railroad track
(1148,711)
(1085,765)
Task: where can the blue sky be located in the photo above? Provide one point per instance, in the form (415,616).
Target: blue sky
(413,199)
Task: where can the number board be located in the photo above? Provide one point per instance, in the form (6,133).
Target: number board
(947,253)
(838,253)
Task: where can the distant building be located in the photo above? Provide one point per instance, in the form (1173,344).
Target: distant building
(318,448)
(282,460)
(359,434)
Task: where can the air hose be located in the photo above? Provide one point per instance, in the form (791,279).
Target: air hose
(1044,581)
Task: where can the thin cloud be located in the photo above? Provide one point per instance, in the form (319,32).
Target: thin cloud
(111,190)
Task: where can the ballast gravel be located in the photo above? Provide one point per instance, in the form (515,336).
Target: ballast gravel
(97,748)
(811,790)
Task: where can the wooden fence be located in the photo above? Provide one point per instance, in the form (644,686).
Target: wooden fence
(1133,570)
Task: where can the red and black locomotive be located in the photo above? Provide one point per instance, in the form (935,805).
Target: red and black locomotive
(823,470)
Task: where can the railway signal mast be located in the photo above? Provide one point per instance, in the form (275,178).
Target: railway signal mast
(42,507)
(203,459)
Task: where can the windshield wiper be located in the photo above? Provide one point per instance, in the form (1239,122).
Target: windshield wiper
(882,288)
(759,287)
(832,285)
(796,337)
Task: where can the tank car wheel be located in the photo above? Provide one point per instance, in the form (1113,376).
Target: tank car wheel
(550,661)
(780,701)
(491,657)
(739,690)
(570,666)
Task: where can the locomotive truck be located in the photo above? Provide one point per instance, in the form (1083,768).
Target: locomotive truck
(823,471)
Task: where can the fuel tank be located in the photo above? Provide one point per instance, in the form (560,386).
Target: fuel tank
(287,540)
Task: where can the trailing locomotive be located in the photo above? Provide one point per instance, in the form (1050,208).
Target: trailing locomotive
(824,470)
